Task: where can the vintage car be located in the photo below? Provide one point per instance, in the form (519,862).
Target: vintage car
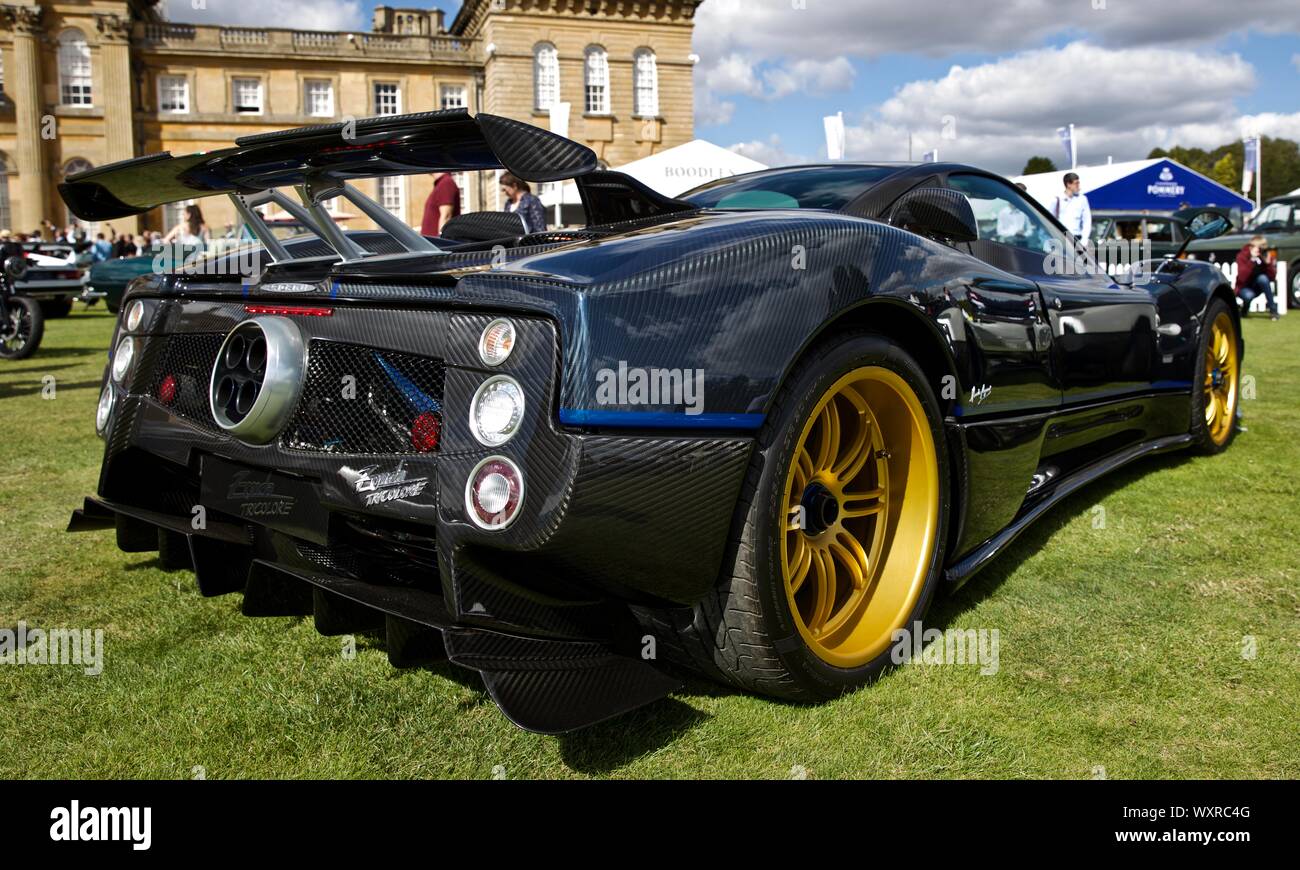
(751,432)
(108,279)
(1278,220)
(1165,233)
(52,278)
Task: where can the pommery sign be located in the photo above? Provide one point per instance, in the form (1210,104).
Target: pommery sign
(1167,185)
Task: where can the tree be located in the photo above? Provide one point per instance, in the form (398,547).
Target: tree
(1225,172)
(1039,164)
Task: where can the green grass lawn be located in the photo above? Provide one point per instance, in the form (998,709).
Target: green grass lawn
(1120,647)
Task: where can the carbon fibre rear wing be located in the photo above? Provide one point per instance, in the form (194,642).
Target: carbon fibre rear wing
(320,160)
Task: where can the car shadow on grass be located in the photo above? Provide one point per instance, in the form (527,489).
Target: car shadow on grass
(31,388)
(46,351)
(951,606)
(606,747)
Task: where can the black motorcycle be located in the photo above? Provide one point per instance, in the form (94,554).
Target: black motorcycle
(21,321)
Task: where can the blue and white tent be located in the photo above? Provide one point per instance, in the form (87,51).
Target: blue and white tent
(1159,185)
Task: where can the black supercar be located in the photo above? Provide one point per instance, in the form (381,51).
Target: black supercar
(750,431)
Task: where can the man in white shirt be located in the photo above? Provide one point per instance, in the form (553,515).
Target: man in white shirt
(1072,209)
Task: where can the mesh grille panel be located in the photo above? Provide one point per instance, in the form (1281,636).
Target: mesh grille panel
(187,360)
(361,400)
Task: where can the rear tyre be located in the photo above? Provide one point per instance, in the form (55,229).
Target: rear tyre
(22,330)
(1294,301)
(838,536)
(1217,383)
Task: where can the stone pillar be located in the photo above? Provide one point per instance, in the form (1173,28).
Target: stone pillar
(116,100)
(24,84)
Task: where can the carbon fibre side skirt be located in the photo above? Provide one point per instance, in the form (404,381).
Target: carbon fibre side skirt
(961,571)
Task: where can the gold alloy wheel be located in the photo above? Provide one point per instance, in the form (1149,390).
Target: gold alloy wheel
(1221,379)
(862,515)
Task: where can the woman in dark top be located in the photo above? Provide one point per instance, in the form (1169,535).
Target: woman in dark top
(521,201)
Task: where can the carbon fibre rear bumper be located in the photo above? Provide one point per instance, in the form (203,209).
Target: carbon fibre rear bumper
(542,610)
(549,685)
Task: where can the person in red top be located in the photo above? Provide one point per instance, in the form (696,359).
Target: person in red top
(1256,274)
(442,205)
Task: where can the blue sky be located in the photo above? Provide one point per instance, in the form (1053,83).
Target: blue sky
(984,81)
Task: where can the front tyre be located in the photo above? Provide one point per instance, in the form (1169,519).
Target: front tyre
(840,529)
(1218,381)
(22,328)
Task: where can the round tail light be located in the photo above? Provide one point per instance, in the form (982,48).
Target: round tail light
(496,411)
(122,358)
(494,493)
(104,410)
(497,342)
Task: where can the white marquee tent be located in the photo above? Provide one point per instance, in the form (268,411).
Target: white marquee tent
(671,172)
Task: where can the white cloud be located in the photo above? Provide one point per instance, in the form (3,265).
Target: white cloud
(316,15)
(737,74)
(732,74)
(1295,59)
(770,152)
(809,78)
(767,29)
(711,111)
(1124,102)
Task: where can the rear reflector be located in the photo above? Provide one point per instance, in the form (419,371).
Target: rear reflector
(425,432)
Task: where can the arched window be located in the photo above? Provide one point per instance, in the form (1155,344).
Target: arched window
(597,81)
(647,84)
(74,69)
(546,76)
(4,192)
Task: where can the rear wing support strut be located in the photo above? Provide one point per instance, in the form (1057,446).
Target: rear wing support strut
(313,215)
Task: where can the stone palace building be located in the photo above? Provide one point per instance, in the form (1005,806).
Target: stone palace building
(89,82)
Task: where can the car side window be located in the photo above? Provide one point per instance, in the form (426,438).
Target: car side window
(1005,216)
(1159,231)
(1128,230)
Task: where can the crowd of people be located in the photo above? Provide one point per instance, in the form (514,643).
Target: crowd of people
(105,245)
(108,244)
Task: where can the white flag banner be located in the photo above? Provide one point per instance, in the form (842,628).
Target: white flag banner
(834,136)
(560,119)
(1250,165)
(930,156)
(1071,146)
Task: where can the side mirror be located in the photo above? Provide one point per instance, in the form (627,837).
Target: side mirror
(1209,226)
(936,213)
(1206,225)
(16,268)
